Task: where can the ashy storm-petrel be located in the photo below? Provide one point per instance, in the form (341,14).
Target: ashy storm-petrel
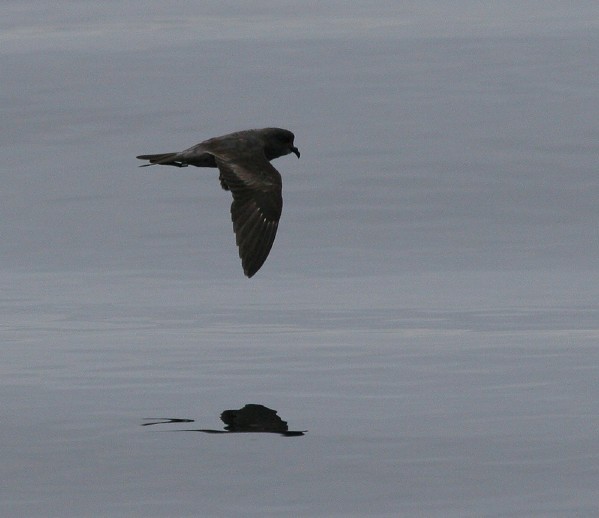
(243,160)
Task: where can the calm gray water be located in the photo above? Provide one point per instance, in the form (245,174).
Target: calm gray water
(428,312)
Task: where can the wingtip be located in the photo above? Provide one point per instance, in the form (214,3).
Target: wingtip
(249,273)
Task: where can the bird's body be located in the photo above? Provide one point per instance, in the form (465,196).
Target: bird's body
(243,159)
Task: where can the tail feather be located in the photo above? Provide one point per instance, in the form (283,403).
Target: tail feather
(161,159)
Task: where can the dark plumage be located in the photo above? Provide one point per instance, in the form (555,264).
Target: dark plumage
(243,160)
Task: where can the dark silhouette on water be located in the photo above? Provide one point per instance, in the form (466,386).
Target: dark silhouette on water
(165,420)
(251,418)
(243,160)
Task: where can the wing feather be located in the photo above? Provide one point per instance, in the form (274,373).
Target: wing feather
(256,208)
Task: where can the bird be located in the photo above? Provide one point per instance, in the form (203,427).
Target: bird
(243,160)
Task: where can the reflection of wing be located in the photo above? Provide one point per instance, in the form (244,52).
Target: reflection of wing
(256,208)
(253,418)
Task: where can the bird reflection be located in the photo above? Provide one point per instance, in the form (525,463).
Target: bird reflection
(251,418)
(165,420)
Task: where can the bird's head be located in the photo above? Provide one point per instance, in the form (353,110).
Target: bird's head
(279,142)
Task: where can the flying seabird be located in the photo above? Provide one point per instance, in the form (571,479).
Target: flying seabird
(243,160)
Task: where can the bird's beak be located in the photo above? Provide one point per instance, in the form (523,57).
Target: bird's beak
(295,151)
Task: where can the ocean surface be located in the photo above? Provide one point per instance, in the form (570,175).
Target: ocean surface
(428,316)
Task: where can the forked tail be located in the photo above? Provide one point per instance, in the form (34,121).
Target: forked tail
(162,159)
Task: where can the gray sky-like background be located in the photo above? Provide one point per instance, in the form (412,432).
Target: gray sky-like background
(450,136)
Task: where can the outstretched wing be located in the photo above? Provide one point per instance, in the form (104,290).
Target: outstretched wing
(256,208)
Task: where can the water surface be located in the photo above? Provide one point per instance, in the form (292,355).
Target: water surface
(428,312)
